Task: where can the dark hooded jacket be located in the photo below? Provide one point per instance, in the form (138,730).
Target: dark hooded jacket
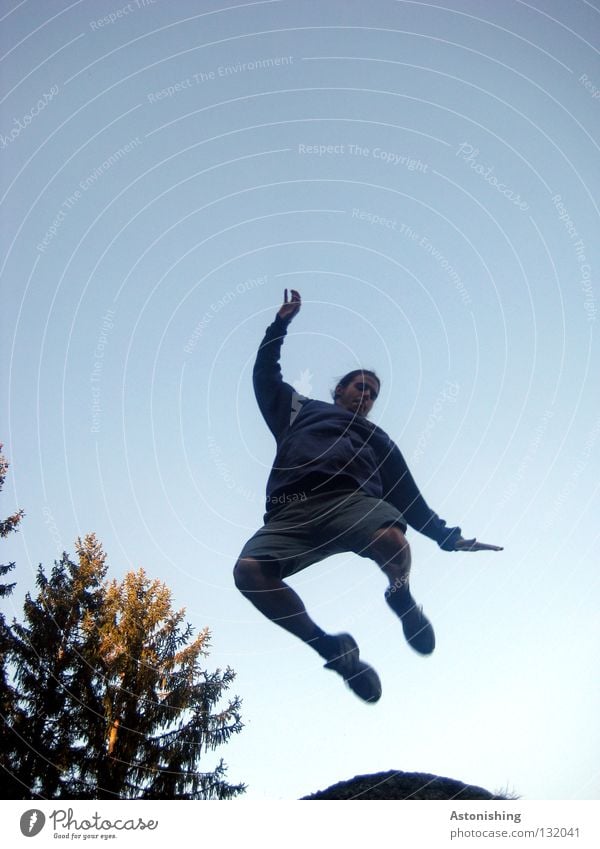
(324,446)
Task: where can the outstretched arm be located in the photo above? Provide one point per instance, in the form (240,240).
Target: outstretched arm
(402,491)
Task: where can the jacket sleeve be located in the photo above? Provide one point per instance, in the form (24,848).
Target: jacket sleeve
(401,490)
(273,395)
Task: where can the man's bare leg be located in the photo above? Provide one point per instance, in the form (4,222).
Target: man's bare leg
(259,583)
(391,551)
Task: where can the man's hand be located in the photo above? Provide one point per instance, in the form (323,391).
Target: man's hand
(290,309)
(472,545)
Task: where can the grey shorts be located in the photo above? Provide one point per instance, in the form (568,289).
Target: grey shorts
(302,532)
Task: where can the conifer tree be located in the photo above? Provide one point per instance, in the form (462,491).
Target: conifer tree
(7,526)
(53,653)
(110,679)
(159,702)
(8,708)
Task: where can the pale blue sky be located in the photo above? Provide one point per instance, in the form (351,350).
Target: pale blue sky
(426,175)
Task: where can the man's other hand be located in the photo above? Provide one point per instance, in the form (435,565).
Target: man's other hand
(472,545)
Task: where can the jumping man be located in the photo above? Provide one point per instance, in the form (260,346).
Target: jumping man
(338,484)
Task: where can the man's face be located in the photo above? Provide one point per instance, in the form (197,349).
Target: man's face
(359,395)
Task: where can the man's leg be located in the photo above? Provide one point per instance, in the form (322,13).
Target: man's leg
(260,583)
(391,551)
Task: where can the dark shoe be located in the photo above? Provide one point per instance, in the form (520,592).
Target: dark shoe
(359,676)
(418,630)
(416,626)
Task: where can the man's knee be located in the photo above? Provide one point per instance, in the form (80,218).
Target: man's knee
(251,574)
(246,573)
(390,546)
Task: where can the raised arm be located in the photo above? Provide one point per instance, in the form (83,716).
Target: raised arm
(273,395)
